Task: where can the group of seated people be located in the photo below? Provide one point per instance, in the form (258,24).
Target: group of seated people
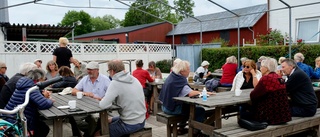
(270,92)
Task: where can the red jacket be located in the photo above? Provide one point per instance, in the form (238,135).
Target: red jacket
(229,71)
(142,75)
(270,101)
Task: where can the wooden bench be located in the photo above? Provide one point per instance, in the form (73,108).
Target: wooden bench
(298,124)
(171,121)
(222,89)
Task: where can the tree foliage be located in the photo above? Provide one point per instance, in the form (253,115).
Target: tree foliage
(184,8)
(88,23)
(136,17)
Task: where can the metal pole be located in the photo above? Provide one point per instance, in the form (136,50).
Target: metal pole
(239,63)
(290,41)
(73,32)
(201,41)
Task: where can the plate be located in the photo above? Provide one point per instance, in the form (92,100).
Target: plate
(63,107)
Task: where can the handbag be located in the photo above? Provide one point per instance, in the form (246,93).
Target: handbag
(252,125)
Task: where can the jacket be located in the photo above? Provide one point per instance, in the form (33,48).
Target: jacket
(8,89)
(239,79)
(66,82)
(36,102)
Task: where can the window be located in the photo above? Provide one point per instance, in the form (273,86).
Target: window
(308,30)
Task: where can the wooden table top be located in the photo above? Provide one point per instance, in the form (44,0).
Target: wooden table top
(87,104)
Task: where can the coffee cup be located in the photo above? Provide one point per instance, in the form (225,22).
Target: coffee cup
(72,104)
(157,80)
(79,95)
(238,92)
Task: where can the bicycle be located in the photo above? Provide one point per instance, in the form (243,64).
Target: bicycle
(19,128)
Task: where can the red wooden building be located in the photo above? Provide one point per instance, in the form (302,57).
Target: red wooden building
(224,25)
(146,33)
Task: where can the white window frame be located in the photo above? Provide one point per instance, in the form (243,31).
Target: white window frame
(303,20)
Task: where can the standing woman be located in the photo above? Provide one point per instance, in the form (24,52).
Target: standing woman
(52,70)
(248,77)
(62,55)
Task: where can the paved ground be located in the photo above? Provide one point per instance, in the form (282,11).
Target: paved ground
(158,129)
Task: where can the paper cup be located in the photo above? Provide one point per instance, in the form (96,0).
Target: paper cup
(79,95)
(238,92)
(72,104)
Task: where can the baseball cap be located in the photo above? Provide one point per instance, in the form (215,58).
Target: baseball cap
(66,91)
(93,65)
(38,60)
(2,65)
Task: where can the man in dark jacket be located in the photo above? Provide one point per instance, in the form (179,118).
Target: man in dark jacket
(304,101)
(8,89)
(37,102)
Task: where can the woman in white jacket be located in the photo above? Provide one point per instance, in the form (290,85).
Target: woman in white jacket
(248,77)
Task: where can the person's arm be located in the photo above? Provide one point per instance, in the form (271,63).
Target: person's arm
(148,76)
(72,60)
(255,77)
(258,91)
(40,100)
(109,97)
(54,58)
(159,74)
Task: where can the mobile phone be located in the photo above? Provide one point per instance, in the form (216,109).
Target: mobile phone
(75,110)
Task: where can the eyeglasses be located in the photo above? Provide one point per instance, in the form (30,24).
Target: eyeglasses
(4,67)
(246,66)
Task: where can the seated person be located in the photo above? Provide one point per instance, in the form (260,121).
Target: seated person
(79,69)
(3,76)
(269,98)
(229,71)
(92,85)
(176,85)
(68,78)
(133,110)
(317,69)
(10,86)
(37,102)
(154,71)
(248,77)
(299,58)
(202,72)
(52,70)
(243,59)
(38,62)
(303,101)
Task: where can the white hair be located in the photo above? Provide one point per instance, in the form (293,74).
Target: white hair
(180,66)
(26,67)
(298,57)
(176,61)
(270,63)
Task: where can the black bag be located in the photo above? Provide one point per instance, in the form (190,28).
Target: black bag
(252,125)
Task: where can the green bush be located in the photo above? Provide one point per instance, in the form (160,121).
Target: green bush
(164,65)
(217,56)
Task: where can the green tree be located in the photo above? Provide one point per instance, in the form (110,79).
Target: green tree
(105,23)
(73,16)
(136,17)
(183,6)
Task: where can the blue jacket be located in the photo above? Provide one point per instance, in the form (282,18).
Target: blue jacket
(66,82)
(36,102)
(307,69)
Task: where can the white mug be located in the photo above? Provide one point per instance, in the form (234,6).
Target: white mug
(72,104)
(79,95)
(157,80)
(238,92)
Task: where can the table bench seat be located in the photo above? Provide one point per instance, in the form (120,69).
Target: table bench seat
(171,121)
(297,125)
(145,132)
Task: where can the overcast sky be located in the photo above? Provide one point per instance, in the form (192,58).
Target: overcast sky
(43,14)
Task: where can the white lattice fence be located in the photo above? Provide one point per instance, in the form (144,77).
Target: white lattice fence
(14,53)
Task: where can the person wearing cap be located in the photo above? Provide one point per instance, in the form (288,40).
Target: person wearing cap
(121,90)
(92,85)
(8,89)
(38,62)
(3,77)
(62,55)
(202,72)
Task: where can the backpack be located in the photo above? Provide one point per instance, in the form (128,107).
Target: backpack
(212,84)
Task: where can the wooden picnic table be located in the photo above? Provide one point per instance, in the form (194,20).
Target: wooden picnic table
(218,101)
(155,94)
(88,106)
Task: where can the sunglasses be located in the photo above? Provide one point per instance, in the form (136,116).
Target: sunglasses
(4,67)
(246,66)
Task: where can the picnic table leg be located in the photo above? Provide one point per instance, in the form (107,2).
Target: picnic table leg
(155,99)
(217,115)
(104,123)
(191,118)
(57,127)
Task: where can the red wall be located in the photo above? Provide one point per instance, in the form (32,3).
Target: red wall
(155,33)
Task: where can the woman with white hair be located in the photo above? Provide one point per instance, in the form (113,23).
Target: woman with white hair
(269,98)
(229,71)
(202,72)
(299,58)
